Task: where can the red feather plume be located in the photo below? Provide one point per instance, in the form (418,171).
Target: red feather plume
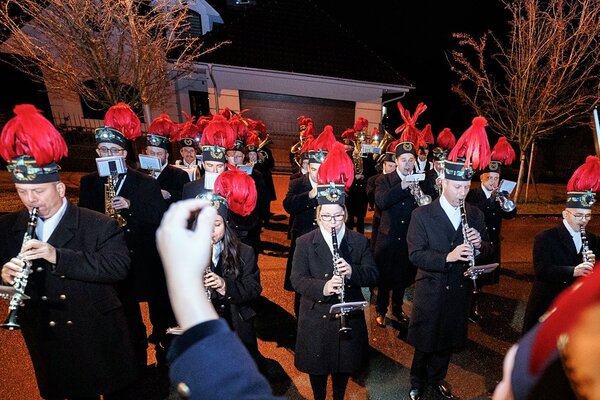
(252,139)
(239,189)
(473,145)
(122,118)
(360,124)
(30,133)
(325,140)
(309,132)
(163,126)
(188,129)
(410,133)
(427,134)
(348,133)
(586,177)
(218,132)
(503,152)
(446,139)
(337,168)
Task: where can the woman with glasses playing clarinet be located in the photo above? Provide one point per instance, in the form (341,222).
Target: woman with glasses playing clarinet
(567,251)
(330,266)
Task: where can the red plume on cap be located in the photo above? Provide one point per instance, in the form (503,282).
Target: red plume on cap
(30,133)
(163,126)
(427,134)
(122,118)
(252,139)
(360,124)
(566,310)
(337,168)
(325,140)
(410,133)
(503,152)
(203,122)
(239,189)
(218,132)
(473,145)
(375,131)
(307,144)
(586,177)
(348,133)
(309,132)
(446,139)
(302,120)
(259,127)
(225,113)
(188,129)
(240,128)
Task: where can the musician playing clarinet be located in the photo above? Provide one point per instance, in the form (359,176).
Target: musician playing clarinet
(564,253)
(321,349)
(442,250)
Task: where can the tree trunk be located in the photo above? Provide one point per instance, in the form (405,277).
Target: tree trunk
(147,114)
(520,178)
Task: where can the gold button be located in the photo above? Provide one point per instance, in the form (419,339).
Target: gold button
(69,323)
(183,390)
(52,324)
(63,297)
(44,298)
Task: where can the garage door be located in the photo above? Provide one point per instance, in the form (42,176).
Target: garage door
(279,113)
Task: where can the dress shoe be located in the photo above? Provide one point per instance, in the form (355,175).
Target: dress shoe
(402,318)
(444,391)
(474,316)
(380,320)
(415,394)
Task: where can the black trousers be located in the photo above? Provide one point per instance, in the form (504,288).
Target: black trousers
(429,368)
(383,299)
(339,382)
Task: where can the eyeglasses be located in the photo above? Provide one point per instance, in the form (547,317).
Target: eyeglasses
(336,217)
(112,150)
(580,216)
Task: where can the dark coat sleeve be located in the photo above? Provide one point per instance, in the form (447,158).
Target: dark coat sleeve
(297,199)
(545,261)
(106,260)
(301,278)
(364,269)
(389,192)
(421,254)
(146,202)
(246,286)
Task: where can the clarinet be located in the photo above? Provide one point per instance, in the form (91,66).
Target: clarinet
(209,268)
(21,281)
(585,246)
(344,328)
(465,228)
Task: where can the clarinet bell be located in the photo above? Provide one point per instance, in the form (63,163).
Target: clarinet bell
(344,328)
(11,321)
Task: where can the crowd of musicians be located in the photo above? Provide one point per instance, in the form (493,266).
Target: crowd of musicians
(76,274)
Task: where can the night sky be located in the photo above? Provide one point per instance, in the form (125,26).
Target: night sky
(415,37)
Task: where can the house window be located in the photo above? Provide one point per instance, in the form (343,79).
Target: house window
(199,103)
(195,24)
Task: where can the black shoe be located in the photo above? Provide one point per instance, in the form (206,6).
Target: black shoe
(444,391)
(475,317)
(415,394)
(402,317)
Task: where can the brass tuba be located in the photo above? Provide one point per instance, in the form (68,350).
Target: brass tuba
(383,144)
(109,193)
(265,142)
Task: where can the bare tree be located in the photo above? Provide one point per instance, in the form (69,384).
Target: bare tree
(106,51)
(544,75)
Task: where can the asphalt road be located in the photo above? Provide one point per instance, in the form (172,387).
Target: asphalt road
(472,372)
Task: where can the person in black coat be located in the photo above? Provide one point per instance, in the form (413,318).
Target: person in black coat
(436,245)
(233,283)
(485,198)
(140,202)
(73,322)
(388,165)
(170,179)
(300,203)
(208,361)
(432,185)
(321,349)
(394,198)
(559,256)
(189,158)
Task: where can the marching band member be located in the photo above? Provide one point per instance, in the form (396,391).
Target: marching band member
(486,199)
(234,279)
(433,178)
(565,252)
(396,202)
(441,246)
(73,323)
(140,202)
(306,131)
(321,350)
(262,156)
(422,164)
(170,178)
(301,198)
(388,165)
(189,137)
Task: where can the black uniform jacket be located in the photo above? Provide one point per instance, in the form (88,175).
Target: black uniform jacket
(554,259)
(172,180)
(319,347)
(240,292)
(74,325)
(391,253)
(302,210)
(441,300)
(143,217)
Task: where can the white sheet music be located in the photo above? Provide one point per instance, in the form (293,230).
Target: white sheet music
(506,186)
